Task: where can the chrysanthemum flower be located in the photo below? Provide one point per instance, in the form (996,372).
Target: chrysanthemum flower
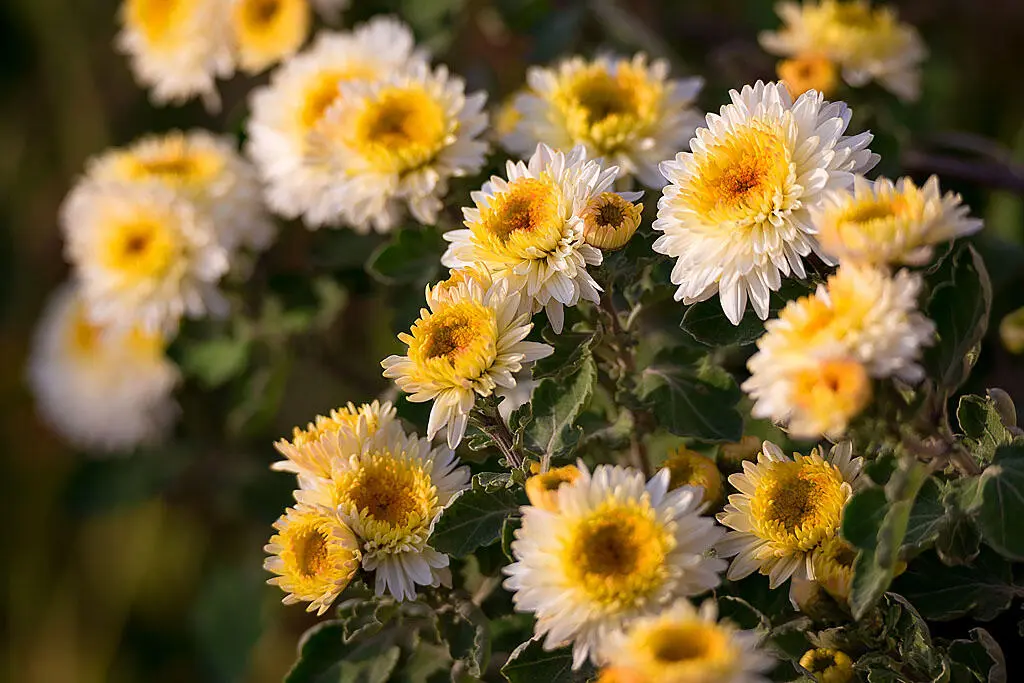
(266,31)
(344,430)
(808,72)
(626,111)
(610,219)
(206,169)
(867,43)
(143,254)
(177,48)
(828,665)
(689,468)
(685,645)
(100,389)
(882,222)
(784,509)
(832,567)
(463,346)
(314,556)
(390,492)
(612,550)
(528,230)
(287,112)
(397,141)
(735,215)
(542,487)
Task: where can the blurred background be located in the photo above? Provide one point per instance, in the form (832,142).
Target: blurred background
(148,567)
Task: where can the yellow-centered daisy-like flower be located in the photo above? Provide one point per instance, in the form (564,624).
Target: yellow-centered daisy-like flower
(143,254)
(287,112)
(881,222)
(735,214)
(390,490)
(344,430)
(828,665)
(177,48)
(266,31)
(689,468)
(461,347)
(610,219)
(827,394)
(314,556)
(626,111)
(832,567)
(808,72)
(867,43)
(685,645)
(542,487)
(528,230)
(397,141)
(613,549)
(206,169)
(100,389)
(785,508)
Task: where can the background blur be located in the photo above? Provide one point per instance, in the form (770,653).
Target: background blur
(148,568)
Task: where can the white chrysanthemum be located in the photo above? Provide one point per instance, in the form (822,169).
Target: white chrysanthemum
(390,492)
(286,112)
(100,389)
(685,645)
(626,111)
(177,48)
(143,254)
(784,509)
(529,229)
(882,222)
(867,43)
(267,31)
(611,550)
(344,430)
(397,141)
(735,215)
(467,344)
(205,168)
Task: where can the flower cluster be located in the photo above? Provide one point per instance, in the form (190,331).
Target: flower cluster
(179,49)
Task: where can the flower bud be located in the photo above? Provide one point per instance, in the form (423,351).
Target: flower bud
(609,220)
(542,487)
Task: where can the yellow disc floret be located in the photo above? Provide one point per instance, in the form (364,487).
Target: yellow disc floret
(828,665)
(690,468)
(808,72)
(524,222)
(143,246)
(610,220)
(827,395)
(172,160)
(401,129)
(542,486)
(455,344)
(268,30)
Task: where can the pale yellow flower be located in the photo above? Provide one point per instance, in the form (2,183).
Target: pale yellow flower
(689,468)
(542,487)
(808,72)
(611,219)
(267,31)
(828,665)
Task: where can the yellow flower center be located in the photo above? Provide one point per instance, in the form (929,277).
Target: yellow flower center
(267,30)
(157,20)
(809,72)
(393,492)
(85,339)
(832,566)
(832,391)
(455,344)
(616,555)
(84,336)
(310,548)
(608,110)
(689,468)
(682,651)
(401,129)
(876,228)
(541,488)
(523,222)
(322,91)
(609,221)
(744,177)
(174,164)
(798,504)
(144,248)
(828,665)
(317,555)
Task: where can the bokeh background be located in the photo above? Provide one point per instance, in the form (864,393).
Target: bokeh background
(148,567)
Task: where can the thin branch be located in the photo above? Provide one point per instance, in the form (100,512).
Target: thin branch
(1002,176)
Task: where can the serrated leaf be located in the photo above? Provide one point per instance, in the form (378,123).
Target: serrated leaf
(571,350)
(1002,502)
(320,649)
(959,304)
(927,517)
(556,404)
(464,628)
(474,519)
(706,322)
(690,397)
(530,663)
(411,257)
(981,656)
(982,426)
(325,658)
(940,592)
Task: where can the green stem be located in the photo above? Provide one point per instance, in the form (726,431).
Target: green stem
(490,423)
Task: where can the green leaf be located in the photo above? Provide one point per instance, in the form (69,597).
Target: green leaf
(464,627)
(1002,502)
(982,426)
(555,405)
(863,515)
(531,663)
(508,535)
(706,322)
(960,302)
(940,592)
(742,613)
(216,361)
(411,257)
(927,517)
(691,397)
(981,657)
(362,614)
(474,519)
(320,649)
(572,350)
